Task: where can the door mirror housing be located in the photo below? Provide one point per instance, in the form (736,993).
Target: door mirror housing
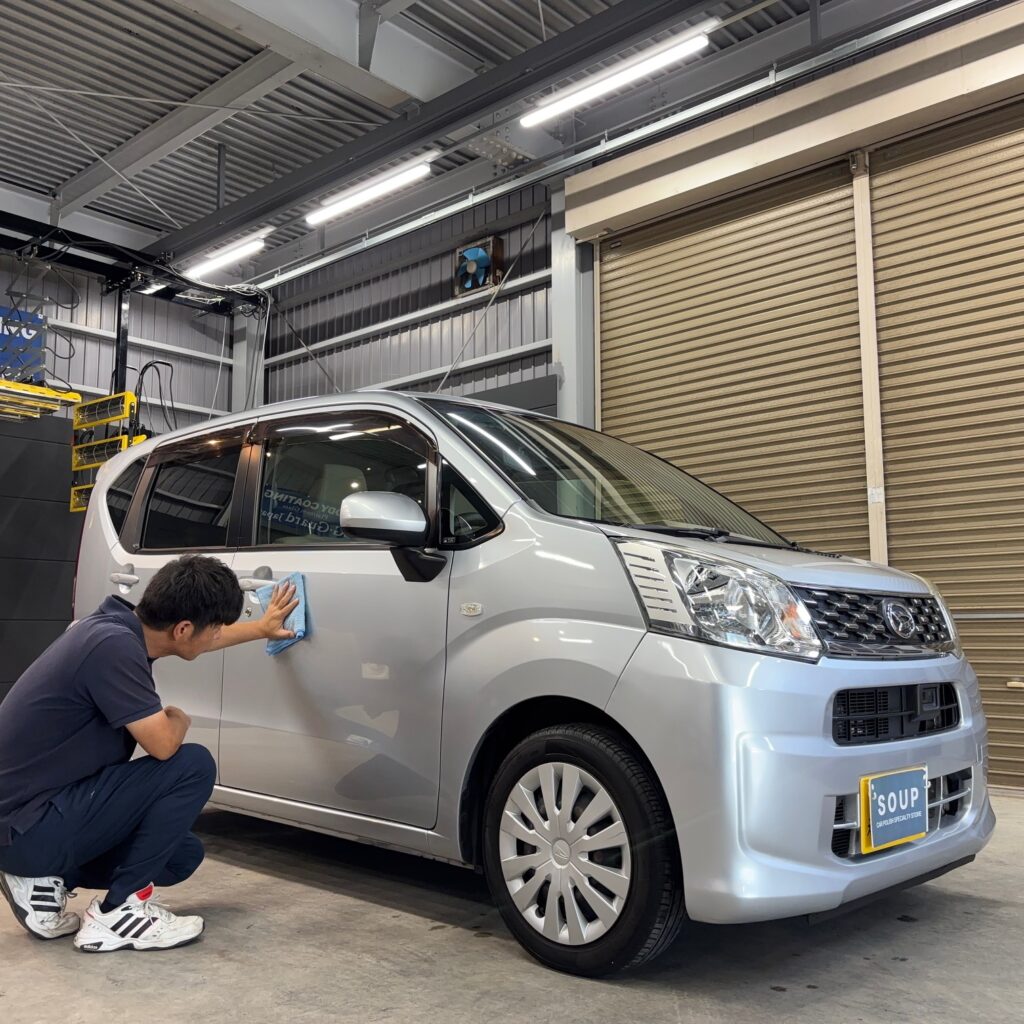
(384,516)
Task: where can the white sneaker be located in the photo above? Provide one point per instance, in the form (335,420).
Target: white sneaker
(39,905)
(140,923)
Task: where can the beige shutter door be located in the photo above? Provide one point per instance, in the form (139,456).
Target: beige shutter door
(729,345)
(948,221)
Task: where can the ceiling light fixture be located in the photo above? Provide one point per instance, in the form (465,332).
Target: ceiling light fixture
(152,289)
(386,183)
(233,253)
(621,75)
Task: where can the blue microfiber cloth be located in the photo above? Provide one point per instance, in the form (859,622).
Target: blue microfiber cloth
(296,621)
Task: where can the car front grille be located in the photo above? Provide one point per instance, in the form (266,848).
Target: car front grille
(949,798)
(882,714)
(852,624)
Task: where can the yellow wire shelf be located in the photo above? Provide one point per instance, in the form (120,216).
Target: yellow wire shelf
(30,401)
(98,412)
(88,456)
(80,497)
(94,453)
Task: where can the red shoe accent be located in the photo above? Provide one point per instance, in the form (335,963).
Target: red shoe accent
(145,894)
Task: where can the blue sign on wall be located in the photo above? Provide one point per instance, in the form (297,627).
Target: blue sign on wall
(22,342)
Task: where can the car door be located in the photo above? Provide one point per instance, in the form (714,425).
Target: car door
(350,717)
(183,504)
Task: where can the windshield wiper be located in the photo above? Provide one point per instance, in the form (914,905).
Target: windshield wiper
(742,538)
(705,533)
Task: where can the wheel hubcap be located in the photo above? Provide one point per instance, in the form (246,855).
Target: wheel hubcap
(565,853)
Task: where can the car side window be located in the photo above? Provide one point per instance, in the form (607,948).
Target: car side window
(189,502)
(311,466)
(465,516)
(121,492)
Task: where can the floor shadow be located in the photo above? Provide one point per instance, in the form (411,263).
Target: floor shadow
(715,959)
(449,894)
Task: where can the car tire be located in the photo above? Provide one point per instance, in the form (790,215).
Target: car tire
(650,901)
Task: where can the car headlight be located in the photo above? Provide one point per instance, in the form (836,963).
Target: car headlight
(718,601)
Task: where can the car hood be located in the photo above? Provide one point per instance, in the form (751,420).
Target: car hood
(801,568)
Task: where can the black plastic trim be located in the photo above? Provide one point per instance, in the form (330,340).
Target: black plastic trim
(417,565)
(863,901)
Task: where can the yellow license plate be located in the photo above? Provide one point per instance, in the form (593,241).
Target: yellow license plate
(893,808)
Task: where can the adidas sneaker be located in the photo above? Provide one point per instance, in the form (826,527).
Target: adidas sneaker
(39,905)
(140,923)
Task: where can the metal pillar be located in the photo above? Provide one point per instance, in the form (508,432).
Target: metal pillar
(572,319)
(815,19)
(246,364)
(222,165)
(873,446)
(121,341)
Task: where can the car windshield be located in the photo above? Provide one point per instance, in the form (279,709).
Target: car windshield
(571,471)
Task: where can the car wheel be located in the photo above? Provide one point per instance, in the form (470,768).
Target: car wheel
(580,854)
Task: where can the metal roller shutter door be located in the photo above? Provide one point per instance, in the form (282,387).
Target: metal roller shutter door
(729,345)
(948,226)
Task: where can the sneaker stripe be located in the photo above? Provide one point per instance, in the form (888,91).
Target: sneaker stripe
(129,927)
(124,920)
(142,929)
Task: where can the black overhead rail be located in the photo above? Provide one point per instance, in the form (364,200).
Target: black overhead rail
(600,36)
(121,268)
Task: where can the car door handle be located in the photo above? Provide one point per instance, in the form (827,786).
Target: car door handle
(252,583)
(124,579)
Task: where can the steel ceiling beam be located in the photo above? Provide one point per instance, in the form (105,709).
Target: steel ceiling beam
(598,37)
(390,8)
(33,206)
(323,36)
(372,14)
(247,83)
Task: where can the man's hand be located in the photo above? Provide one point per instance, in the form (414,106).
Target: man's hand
(270,625)
(282,603)
(177,715)
(161,735)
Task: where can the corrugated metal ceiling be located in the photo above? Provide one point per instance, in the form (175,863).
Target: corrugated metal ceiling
(154,48)
(260,149)
(492,31)
(129,47)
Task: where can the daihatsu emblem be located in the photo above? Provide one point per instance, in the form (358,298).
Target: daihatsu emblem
(900,618)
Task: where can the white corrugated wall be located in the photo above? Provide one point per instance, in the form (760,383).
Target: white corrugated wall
(80,356)
(412,275)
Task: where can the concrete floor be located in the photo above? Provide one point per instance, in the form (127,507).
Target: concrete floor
(304,928)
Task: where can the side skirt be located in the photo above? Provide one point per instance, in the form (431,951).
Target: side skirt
(355,827)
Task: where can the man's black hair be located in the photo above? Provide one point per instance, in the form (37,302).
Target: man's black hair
(193,588)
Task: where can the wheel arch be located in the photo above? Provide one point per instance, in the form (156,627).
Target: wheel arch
(509,728)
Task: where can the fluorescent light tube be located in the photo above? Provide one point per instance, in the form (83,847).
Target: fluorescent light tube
(249,245)
(151,289)
(643,66)
(390,181)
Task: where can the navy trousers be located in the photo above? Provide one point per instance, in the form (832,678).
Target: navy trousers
(121,829)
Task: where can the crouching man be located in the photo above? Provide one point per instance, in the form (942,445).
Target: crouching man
(74,809)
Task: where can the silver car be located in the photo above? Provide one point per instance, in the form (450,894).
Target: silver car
(544,653)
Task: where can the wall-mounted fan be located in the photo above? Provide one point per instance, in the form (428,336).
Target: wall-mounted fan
(478,265)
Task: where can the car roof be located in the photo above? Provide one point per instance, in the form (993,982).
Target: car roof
(409,401)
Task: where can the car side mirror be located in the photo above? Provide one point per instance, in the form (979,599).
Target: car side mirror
(384,516)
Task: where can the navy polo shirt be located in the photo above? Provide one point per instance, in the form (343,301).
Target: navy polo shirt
(65,718)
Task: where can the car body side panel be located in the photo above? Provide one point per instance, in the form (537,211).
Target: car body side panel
(542,610)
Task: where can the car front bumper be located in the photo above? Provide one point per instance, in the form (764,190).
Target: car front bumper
(742,745)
